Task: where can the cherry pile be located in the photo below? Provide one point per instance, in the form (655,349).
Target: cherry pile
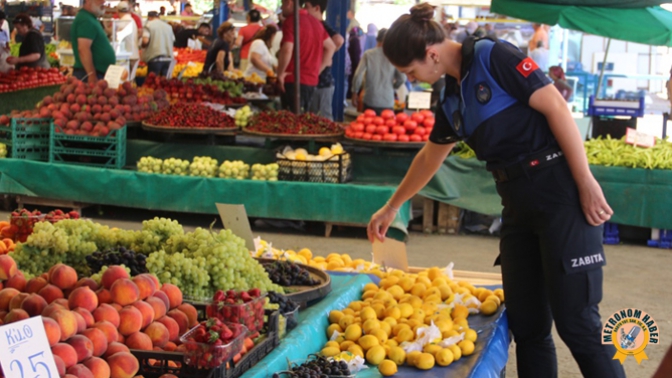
(244,307)
(284,122)
(287,273)
(212,343)
(189,115)
(189,91)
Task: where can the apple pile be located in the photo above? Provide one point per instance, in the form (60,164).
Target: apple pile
(390,127)
(25,77)
(190,91)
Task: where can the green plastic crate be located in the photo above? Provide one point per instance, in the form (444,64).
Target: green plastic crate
(27,138)
(106,152)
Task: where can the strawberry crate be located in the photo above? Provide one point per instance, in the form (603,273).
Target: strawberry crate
(105,152)
(27,138)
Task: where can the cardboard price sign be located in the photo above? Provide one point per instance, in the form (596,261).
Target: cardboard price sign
(115,75)
(390,254)
(638,139)
(419,100)
(25,350)
(234,218)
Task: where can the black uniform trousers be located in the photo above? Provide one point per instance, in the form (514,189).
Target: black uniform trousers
(551,261)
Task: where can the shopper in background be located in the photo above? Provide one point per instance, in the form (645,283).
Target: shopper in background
(490,31)
(469,29)
(202,34)
(188,12)
(31,52)
(355,54)
(540,34)
(219,55)
(352,21)
(370,41)
(261,60)
(505,108)
(130,42)
(246,36)
(93,51)
(162,11)
(322,103)
(557,74)
(157,43)
(380,79)
(540,56)
(135,13)
(4,43)
(316,50)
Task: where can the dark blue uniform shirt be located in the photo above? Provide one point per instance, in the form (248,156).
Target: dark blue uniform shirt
(489,109)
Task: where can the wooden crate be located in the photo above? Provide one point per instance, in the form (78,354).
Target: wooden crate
(440,217)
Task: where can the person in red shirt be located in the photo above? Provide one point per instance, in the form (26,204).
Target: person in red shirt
(246,36)
(136,18)
(316,51)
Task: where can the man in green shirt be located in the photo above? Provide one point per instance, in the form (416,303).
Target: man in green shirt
(93,51)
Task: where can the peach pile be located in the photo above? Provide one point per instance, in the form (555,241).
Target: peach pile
(93,327)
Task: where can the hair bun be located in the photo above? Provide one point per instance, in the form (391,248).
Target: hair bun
(422,12)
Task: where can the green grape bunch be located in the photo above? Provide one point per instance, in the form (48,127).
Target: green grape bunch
(150,164)
(175,166)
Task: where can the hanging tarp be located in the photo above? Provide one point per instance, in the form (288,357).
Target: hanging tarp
(606,3)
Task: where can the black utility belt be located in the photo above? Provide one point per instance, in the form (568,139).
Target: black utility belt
(532,163)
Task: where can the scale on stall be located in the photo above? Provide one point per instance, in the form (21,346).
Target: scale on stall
(613,116)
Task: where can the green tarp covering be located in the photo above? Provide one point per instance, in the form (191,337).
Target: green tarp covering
(606,3)
(648,25)
(24,99)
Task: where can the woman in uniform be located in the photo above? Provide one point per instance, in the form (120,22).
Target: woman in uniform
(504,107)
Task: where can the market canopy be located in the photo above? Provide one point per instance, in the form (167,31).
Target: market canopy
(650,25)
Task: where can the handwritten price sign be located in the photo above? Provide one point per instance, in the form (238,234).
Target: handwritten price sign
(25,350)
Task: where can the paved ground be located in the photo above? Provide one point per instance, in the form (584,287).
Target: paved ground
(635,276)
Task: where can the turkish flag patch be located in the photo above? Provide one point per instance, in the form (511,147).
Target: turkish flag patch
(526,67)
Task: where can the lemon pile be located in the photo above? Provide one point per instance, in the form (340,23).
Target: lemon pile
(191,69)
(387,325)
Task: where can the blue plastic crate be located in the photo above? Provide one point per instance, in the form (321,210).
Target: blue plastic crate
(106,152)
(664,240)
(611,235)
(27,138)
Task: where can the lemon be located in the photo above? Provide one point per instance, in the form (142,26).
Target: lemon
(333,328)
(457,352)
(493,298)
(325,151)
(353,332)
(405,310)
(396,291)
(393,312)
(300,156)
(451,333)
(370,286)
(431,348)
(460,323)
(391,343)
(397,354)
(380,335)
(387,368)
(406,283)
(357,350)
(345,345)
(467,347)
(369,294)
(500,294)
(379,308)
(337,149)
(386,327)
(389,282)
(368,313)
(332,344)
(356,306)
(483,294)
(412,357)
(367,342)
(445,291)
(382,295)
(346,321)
(391,321)
(347,260)
(330,351)
(375,355)
(425,281)
(425,361)
(439,281)
(418,289)
(348,311)
(398,328)
(335,316)
(434,273)
(444,357)
(405,334)
(460,311)
(488,308)
(470,335)
(444,325)
(306,253)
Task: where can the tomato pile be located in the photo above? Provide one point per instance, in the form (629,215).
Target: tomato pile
(186,55)
(245,307)
(25,77)
(189,91)
(392,128)
(284,122)
(212,342)
(185,115)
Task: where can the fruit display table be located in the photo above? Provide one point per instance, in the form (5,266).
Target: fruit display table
(25,99)
(309,336)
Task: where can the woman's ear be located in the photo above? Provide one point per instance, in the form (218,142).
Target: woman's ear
(432,55)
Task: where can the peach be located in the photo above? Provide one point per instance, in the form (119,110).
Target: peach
(86,281)
(60,365)
(35,284)
(106,312)
(17,300)
(66,352)
(15,315)
(154,278)
(69,376)
(164,297)
(170,347)
(168,376)
(6,296)
(147,312)
(145,285)
(98,367)
(80,371)
(50,293)
(116,306)
(115,347)
(81,323)
(158,305)
(88,317)
(3,313)
(112,274)
(98,339)
(174,294)
(83,346)
(124,292)
(108,329)
(181,319)
(51,308)
(173,327)
(34,304)
(123,365)
(53,331)
(121,338)
(67,320)
(83,297)
(8,267)
(62,302)
(130,320)
(17,281)
(191,312)
(104,296)
(139,341)
(63,276)
(158,333)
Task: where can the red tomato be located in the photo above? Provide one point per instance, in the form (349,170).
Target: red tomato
(427,113)
(378,121)
(371,129)
(357,126)
(358,134)
(390,137)
(377,137)
(370,113)
(367,136)
(387,114)
(349,132)
(361,118)
(415,138)
(403,138)
(428,122)
(391,122)
(399,130)
(382,130)
(420,131)
(425,138)
(368,120)
(418,117)
(401,118)
(410,125)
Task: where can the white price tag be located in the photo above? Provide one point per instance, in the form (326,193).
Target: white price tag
(115,75)
(391,254)
(234,218)
(636,138)
(419,100)
(25,350)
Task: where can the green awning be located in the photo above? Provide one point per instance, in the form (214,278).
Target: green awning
(648,25)
(607,3)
